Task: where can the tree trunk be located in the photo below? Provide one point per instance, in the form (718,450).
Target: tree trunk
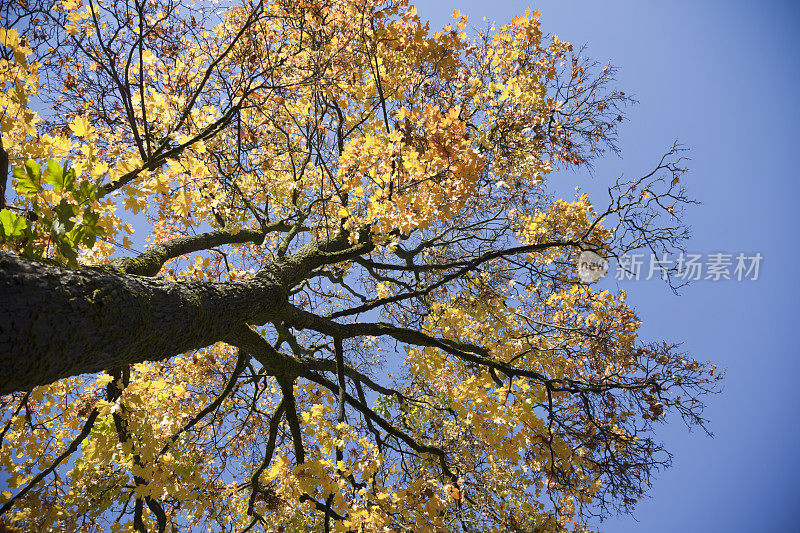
(56,322)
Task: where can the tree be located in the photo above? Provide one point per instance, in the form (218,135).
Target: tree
(359,308)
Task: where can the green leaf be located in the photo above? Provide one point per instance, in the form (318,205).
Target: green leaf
(34,170)
(65,210)
(87,191)
(83,192)
(25,185)
(90,219)
(66,249)
(87,231)
(89,239)
(58,177)
(83,234)
(33,250)
(13,225)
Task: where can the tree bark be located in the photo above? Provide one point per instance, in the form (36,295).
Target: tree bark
(56,322)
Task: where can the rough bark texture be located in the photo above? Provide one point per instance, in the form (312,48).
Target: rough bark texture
(57,322)
(150,262)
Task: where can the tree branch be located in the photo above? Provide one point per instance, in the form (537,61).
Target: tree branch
(72,448)
(151,261)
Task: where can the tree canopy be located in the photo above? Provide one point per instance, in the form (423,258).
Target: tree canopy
(358,307)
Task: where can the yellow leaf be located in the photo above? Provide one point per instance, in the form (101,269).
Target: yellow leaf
(80,126)
(276,468)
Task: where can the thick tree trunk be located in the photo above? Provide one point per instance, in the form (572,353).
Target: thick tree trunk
(56,322)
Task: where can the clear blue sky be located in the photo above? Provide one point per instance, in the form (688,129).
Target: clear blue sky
(723,78)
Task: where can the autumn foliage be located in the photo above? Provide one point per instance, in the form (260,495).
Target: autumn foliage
(439,366)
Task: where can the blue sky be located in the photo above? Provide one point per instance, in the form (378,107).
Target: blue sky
(721,77)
